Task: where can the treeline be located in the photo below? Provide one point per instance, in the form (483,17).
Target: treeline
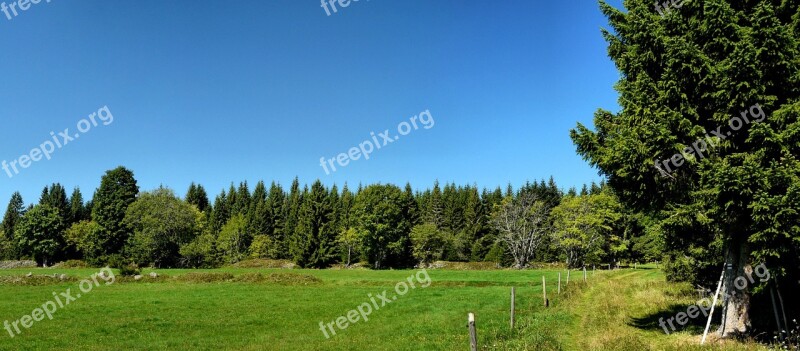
(382,226)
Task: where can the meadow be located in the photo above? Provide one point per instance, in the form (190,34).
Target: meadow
(191,310)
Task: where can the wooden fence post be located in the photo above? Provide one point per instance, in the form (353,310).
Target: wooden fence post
(473,334)
(544,291)
(584,274)
(567,276)
(559,283)
(513,304)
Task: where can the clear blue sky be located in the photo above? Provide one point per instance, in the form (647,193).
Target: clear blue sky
(225,91)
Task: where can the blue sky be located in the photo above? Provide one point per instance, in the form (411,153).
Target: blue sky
(220,92)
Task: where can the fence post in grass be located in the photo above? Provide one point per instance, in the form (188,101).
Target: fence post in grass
(584,274)
(559,283)
(473,334)
(567,276)
(513,304)
(544,291)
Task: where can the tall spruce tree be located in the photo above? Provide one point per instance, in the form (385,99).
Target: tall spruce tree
(77,209)
(118,189)
(707,137)
(197,196)
(314,242)
(14,212)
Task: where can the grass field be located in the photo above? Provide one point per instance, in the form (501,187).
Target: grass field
(615,311)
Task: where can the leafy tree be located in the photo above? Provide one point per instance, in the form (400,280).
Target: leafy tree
(583,225)
(161,224)
(117,191)
(201,252)
(428,242)
(697,70)
(234,240)
(351,241)
(39,234)
(378,213)
(263,247)
(85,237)
(7,249)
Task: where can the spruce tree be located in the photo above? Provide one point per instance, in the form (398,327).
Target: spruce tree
(118,189)
(14,212)
(706,138)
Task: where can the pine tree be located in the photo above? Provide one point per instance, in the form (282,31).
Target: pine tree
(56,197)
(197,196)
(14,212)
(704,68)
(291,211)
(77,209)
(275,206)
(118,189)
(314,241)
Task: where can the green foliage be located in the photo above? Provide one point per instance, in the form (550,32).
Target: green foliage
(690,73)
(77,209)
(197,196)
(351,241)
(129,270)
(117,191)
(56,197)
(13,215)
(428,243)
(378,213)
(234,239)
(7,247)
(314,242)
(263,247)
(200,253)
(85,237)
(39,234)
(584,224)
(161,224)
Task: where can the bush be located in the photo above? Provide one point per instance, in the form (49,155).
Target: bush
(129,270)
(680,268)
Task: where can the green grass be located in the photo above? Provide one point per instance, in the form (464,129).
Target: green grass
(274,314)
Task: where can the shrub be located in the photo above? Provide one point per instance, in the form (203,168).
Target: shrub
(129,270)
(680,268)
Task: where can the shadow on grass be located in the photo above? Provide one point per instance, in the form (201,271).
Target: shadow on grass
(693,325)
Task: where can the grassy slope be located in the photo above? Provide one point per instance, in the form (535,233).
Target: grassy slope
(620,311)
(614,312)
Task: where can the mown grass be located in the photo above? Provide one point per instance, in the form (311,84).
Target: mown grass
(274,309)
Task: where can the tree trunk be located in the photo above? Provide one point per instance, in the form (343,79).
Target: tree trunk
(736,302)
